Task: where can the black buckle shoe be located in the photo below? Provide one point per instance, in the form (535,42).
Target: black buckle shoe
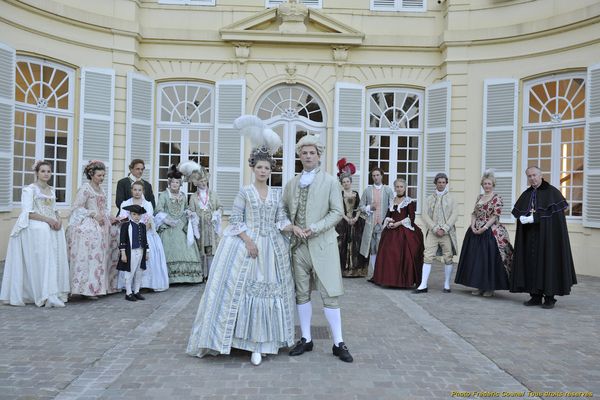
(447,290)
(342,352)
(130,297)
(139,296)
(533,301)
(300,347)
(420,291)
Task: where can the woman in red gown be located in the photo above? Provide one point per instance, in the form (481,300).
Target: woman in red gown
(400,255)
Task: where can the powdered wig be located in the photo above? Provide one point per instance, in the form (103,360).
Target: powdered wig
(191,170)
(261,154)
(90,169)
(310,140)
(440,175)
(488,174)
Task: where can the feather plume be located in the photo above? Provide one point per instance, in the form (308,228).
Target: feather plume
(255,129)
(188,167)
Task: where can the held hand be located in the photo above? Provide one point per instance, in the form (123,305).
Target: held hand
(308,233)
(124,257)
(114,221)
(440,232)
(251,247)
(298,232)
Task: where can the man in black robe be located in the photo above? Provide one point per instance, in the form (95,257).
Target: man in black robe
(542,261)
(136,169)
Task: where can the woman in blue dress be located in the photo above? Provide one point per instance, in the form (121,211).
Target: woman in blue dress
(248,302)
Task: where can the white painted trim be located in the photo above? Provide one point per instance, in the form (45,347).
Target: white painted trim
(587,171)
(514,128)
(188,2)
(360,130)
(110,119)
(10,102)
(272,4)
(130,120)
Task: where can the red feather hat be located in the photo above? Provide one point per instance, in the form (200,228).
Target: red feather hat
(345,168)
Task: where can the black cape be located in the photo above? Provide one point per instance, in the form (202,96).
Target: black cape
(542,261)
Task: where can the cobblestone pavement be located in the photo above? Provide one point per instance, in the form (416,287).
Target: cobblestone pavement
(406,346)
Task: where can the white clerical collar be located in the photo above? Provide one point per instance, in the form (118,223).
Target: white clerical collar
(378,187)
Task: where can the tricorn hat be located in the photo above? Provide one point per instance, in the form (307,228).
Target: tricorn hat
(135,208)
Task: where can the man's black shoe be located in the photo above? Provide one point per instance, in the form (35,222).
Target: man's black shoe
(420,290)
(300,347)
(342,352)
(139,296)
(130,297)
(533,301)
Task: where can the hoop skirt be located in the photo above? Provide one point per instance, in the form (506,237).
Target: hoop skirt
(485,259)
(248,303)
(400,256)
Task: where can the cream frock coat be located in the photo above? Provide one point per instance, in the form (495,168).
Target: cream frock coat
(323,211)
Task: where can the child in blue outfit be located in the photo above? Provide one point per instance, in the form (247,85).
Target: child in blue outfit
(133,246)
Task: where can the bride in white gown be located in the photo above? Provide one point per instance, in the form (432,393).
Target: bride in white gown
(36,268)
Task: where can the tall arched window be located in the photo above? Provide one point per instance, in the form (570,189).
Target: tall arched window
(395,132)
(43,123)
(553,133)
(293,111)
(185,126)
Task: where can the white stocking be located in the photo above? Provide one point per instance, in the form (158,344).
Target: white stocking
(305,315)
(447,274)
(425,277)
(334,317)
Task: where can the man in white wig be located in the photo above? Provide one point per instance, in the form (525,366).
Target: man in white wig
(313,203)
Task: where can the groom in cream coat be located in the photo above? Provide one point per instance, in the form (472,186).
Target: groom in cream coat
(313,202)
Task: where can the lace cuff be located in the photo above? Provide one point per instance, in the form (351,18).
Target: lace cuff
(235,229)
(406,223)
(78,215)
(216,222)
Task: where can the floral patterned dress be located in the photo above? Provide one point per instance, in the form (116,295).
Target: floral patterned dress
(486,259)
(93,248)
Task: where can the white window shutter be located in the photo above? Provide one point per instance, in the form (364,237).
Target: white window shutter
(7,124)
(437,133)
(140,121)
(348,127)
(499,144)
(229,156)
(383,5)
(591,180)
(96,122)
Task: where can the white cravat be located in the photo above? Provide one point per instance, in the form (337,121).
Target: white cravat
(307,178)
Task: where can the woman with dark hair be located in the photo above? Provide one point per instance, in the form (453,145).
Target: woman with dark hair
(172,217)
(92,237)
(351,226)
(36,269)
(248,302)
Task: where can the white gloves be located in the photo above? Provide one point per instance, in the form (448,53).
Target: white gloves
(526,220)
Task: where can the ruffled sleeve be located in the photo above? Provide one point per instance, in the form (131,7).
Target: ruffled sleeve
(27,194)
(237,220)
(78,211)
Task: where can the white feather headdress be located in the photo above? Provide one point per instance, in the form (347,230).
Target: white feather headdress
(187,168)
(254,128)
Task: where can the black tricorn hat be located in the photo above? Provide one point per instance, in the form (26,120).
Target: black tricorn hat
(135,208)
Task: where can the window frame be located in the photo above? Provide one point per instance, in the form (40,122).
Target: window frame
(159,125)
(276,3)
(41,115)
(394,135)
(555,128)
(398,7)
